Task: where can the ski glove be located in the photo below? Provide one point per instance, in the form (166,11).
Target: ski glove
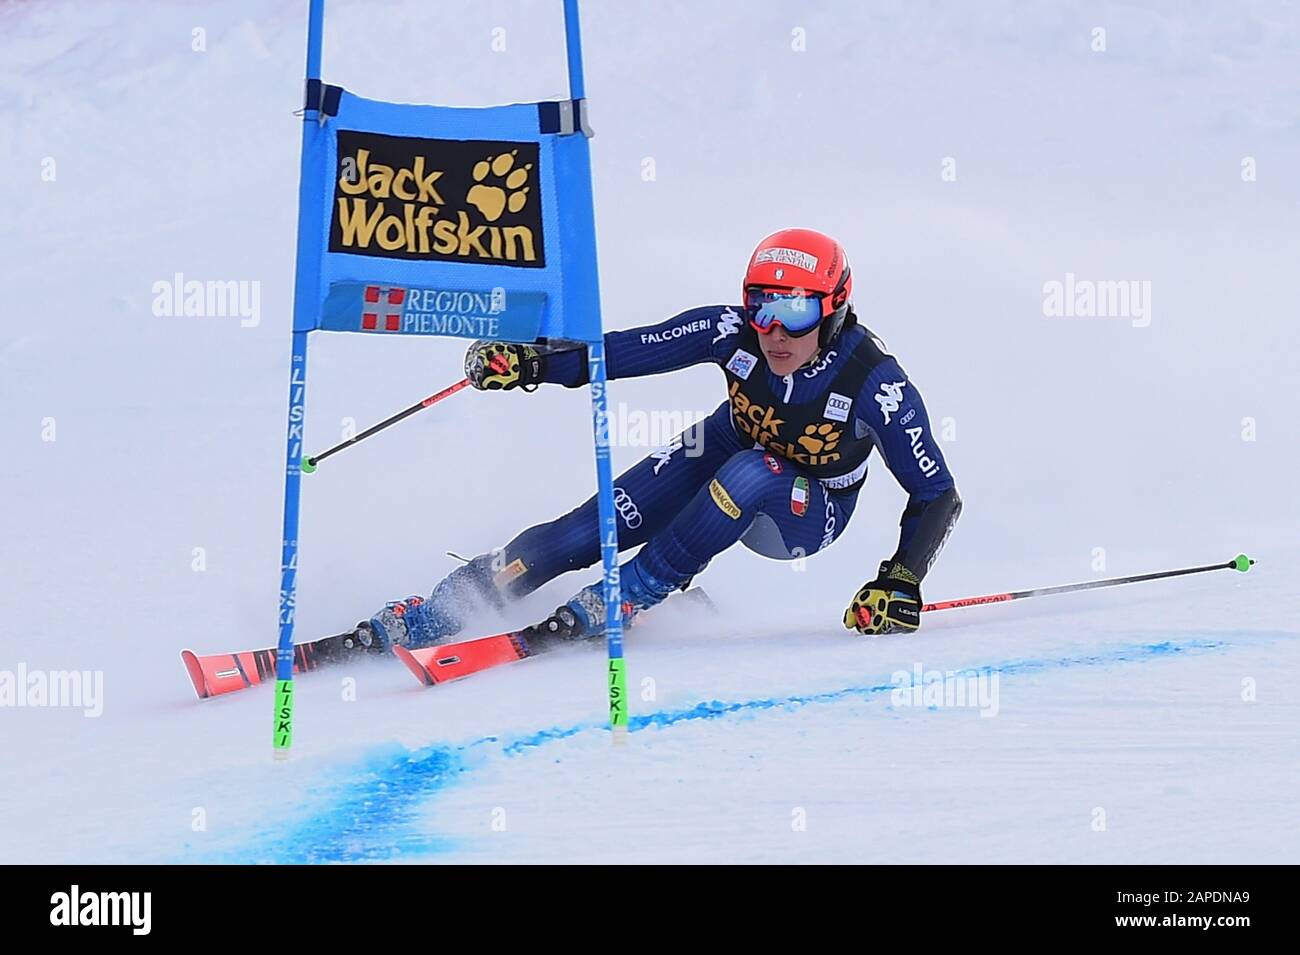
(889,604)
(500,366)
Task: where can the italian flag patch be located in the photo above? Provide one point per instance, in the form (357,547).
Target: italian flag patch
(799,497)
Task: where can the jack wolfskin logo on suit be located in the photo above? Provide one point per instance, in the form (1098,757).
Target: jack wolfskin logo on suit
(816,444)
(754,420)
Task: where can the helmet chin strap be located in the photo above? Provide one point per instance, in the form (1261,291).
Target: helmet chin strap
(812,360)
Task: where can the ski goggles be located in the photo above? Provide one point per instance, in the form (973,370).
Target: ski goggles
(796,311)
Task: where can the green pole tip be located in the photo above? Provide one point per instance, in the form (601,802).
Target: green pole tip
(1242,563)
(306,466)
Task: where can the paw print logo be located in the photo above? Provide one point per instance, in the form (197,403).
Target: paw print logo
(817,438)
(499,185)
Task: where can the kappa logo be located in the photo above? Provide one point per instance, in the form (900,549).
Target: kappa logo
(890,397)
(773,464)
(837,407)
(664,455)
(627,508)
(742,363)
(728,325)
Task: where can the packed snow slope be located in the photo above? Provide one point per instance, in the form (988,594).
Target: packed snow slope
(966,155)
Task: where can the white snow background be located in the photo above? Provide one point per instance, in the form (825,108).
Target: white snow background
(1155,723)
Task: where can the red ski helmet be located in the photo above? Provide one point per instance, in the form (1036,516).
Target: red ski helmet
(800,279)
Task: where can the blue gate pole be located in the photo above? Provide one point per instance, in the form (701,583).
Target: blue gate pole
(617,667)
(306,295)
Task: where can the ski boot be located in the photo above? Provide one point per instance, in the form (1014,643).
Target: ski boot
(424,621)
(583,616)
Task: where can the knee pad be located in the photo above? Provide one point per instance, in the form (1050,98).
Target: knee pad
(764,538)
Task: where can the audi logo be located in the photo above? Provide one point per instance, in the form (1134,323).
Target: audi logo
(627,509)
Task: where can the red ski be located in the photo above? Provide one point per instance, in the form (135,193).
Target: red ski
(221,673)
(451,661)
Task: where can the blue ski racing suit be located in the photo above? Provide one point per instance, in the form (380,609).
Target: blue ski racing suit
(777,467)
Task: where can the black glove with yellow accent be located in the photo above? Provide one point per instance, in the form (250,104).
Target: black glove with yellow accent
(500,366)
(889,604)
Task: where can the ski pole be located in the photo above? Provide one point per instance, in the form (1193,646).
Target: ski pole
(499,363)
(1241,562)
(308,464)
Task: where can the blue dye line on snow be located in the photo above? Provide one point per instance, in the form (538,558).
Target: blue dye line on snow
(714,709)
(372,818)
